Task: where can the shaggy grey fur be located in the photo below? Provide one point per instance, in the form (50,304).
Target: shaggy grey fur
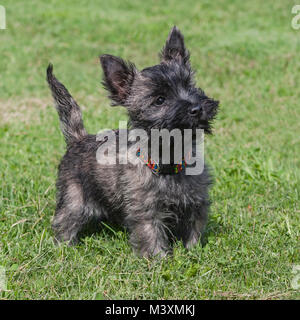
(155,209)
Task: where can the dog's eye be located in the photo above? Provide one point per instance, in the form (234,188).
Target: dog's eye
(159,101)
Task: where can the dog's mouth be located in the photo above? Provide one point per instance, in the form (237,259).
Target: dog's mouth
(192,124)
(202,124)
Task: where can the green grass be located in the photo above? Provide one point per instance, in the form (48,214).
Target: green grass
(247,55)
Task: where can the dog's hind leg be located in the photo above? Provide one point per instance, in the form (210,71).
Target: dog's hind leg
(73,215)
(66,226)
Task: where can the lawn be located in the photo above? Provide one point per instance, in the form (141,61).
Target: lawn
(246,55)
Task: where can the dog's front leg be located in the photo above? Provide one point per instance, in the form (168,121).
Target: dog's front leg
(148,237)
(195,228)
(194,234)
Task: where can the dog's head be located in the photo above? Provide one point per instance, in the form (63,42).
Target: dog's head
(162,96)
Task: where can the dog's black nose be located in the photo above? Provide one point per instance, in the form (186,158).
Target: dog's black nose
(195,110)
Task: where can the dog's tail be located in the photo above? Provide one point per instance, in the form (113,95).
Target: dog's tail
(67,108)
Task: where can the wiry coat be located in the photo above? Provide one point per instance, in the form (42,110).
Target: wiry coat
(156,209)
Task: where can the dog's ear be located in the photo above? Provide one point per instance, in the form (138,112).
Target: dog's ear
(118,78)
(174,48)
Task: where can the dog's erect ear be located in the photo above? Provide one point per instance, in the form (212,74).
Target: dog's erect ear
(174,48)
(118,78)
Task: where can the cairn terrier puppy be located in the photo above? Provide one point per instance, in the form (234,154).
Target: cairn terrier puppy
(155,204)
